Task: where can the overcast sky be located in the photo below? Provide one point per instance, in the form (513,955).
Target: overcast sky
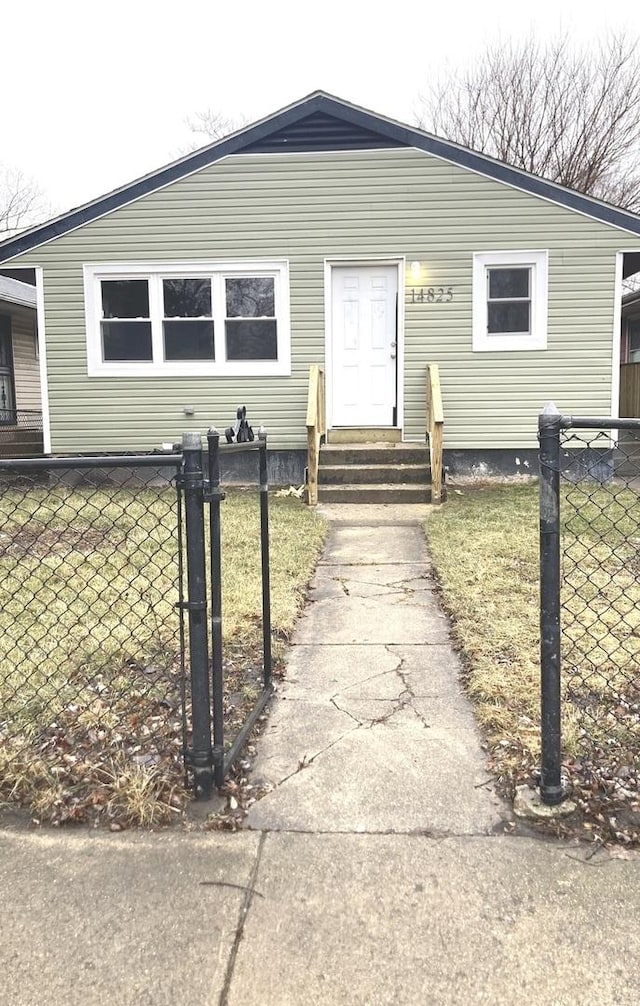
(95,95)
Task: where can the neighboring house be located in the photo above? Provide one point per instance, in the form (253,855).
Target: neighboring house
(326,234)
(630,356)
(20,400)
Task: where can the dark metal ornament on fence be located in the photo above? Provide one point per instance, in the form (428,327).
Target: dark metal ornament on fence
(240,431)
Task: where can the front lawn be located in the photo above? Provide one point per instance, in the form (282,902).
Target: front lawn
(90,671)
(484,544)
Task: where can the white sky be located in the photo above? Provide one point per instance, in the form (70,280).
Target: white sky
(94,95)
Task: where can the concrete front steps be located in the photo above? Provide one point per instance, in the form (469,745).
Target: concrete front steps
(377,471)
(21,443)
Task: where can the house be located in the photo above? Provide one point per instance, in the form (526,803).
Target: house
(328,235)
(630,356)
(20,400)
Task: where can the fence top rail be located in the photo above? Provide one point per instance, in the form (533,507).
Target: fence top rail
(597,423)
(252,445)
(112,461)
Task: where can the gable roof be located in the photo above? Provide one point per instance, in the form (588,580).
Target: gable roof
(316,123)
(13,291)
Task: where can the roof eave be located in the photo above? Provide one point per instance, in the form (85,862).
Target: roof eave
(318,101)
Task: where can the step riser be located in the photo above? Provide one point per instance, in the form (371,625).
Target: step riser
(374,456)
(363,474)
(365,494)
(366,435)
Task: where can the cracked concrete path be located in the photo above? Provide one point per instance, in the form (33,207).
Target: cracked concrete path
(371,731)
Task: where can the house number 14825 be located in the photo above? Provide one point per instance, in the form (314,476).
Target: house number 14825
(432,295)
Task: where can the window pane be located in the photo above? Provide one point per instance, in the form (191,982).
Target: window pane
(634,336)
(188,340)
(7,408)
(509,316)
(125,298)
(6,357)
(251,297)
(252,340)
(126,340)
(508,283)
(187,298)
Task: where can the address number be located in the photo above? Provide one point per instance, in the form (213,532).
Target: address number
(432,295)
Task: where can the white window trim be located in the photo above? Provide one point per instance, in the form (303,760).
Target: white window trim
(537,339)
(217,270)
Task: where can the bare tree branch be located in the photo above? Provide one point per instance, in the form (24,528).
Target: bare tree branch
(21,201)
(566,114)
(211,124)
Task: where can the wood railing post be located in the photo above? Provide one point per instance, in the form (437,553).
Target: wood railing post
(315,430)
(435,425)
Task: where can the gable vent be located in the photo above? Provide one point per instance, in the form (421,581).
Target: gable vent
(319,131)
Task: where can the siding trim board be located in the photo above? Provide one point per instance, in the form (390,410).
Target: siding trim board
(617,336)
(42,354)
(281,123)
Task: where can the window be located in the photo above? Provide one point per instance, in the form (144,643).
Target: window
(633,341)
(196,319)
(509,301)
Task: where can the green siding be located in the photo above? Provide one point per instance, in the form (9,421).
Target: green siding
(306,208)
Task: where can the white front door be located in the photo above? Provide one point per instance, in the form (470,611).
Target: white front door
(364,345)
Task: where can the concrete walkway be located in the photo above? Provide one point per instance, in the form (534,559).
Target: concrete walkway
(376,870)
(371,731)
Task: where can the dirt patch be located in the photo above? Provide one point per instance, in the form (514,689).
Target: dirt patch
(39,540)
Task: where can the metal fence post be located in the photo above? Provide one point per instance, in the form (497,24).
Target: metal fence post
(214,497)
(202,755)
(264,550)
(551,790)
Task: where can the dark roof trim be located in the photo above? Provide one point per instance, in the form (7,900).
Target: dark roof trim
(395,132)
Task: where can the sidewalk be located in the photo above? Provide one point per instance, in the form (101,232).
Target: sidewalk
(376,870)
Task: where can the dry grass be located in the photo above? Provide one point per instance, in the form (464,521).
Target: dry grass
(91,679)
(485,548)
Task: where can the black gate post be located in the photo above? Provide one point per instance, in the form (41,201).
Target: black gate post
(264,550)
(214,497)
(551,763)
(201,755)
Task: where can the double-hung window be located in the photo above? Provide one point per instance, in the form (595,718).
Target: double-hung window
(509,301)
(188,319)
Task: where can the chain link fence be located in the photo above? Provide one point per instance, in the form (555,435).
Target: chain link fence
(117,687)
(92,681)
(590,615)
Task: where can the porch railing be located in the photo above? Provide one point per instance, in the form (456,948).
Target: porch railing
(316,429)
(23,419)
(435,423)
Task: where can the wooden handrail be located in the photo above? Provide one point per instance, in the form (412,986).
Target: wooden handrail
(316,429)
(435,423)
